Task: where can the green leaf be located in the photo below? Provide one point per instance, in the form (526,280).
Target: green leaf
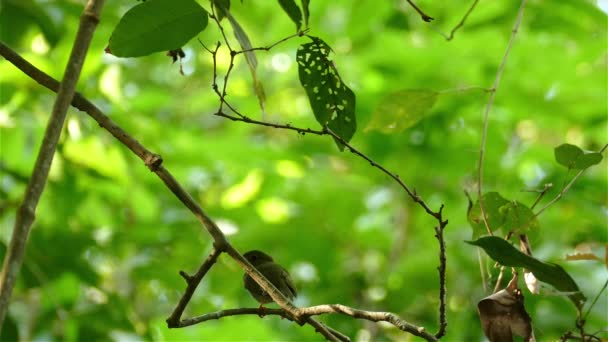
(223,6)
(587,160)
(305,4)
(518,218)
(401,109)
(573,157)
(501,251)
(492,202)
(157,25)
(332,102)
(293,11)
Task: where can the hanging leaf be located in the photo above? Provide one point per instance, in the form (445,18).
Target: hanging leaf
(332,102)
(401,110)
(573,157)
(305,4)
(293,11)
(252,61)
(492,202)
(225,4)
(501,251)
(157,25)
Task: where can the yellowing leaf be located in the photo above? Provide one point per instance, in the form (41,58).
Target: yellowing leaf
(401,109)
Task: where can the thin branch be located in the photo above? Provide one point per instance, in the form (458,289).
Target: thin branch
(269,47)
(192,282)
(566,188)
(154,163)
(541,194)
(27,211)
(423,15)
(374,316)
(461,23)
(484,133)
(599,294)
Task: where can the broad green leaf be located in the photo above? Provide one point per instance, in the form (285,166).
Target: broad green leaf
(157,25)
(401,109)
(293,11)
(573,157)
(332,102)
(501,251)
(305,4)
(492,202)
(587,160)
(518,218)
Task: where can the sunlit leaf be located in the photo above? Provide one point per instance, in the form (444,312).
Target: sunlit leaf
(157,25)
(401,110)
(332,102)
(505,254)
(293,11)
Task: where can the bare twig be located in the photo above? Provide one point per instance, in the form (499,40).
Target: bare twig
(269,47)
(423,15)
(541,194)
(461,22)
(484,133)
(27,211)
(566,188)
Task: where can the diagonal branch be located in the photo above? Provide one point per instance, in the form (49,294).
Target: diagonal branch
(27,211)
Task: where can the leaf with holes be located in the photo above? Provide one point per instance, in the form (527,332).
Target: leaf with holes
(505,254)
(157,25)
(293,11)
(401,110)
(332,102)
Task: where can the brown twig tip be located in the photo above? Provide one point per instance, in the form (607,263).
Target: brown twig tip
(427,18)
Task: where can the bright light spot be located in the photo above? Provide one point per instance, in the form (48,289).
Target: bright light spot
(281,62)
(39,45)
(376,293)
(5,119)
(603,5)
(378,198)
(289,169)
(110,85)
(575,136)
(305,271)
(526,130)
(363,335)
(239,194)
(273,210)
(131,89)
(551,93)
(227,227)
(74,129)
(531,173)
(102,235)
(95,295)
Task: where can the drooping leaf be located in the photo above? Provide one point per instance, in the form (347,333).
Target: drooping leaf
(402,109)
(492,202)
(293,11)
(332,102)
(223,6)
(305,5)
(505,254)
(252,61)
(518,218)
(157,25)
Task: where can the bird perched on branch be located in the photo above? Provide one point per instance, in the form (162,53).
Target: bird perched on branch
(274,272)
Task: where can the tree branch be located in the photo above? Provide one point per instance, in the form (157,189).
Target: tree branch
(27,211)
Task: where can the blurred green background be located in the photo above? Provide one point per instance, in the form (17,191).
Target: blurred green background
(109,239)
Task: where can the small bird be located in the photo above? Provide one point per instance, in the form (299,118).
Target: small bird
(274,272)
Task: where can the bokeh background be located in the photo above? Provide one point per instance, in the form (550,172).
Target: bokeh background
(109,239)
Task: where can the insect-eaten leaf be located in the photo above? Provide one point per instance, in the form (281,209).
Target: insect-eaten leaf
(157,25)
(505,254)
(573,157)
(293,11)
(401,110)
(332,102)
